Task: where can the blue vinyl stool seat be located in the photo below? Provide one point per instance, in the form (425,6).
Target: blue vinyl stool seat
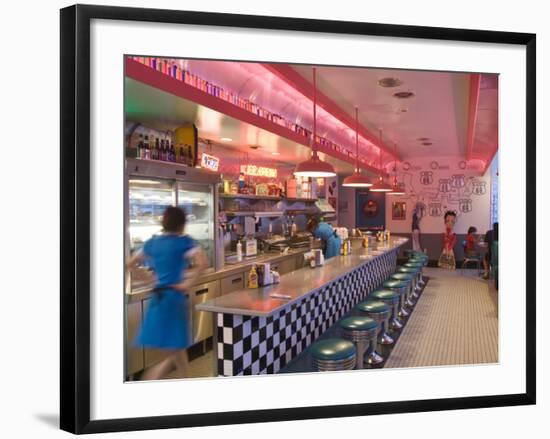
(333,354)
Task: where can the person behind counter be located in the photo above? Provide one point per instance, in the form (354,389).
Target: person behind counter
(325,232)
(166,323)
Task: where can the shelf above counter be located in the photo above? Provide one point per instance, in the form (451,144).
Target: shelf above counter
(301,200)
(251,197)
(268,197)
(256,214)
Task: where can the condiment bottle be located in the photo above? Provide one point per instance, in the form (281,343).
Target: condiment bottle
(253,278)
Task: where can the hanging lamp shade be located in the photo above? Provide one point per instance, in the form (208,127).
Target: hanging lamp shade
(356,179)
(381,186)
(314,166)
(396,188)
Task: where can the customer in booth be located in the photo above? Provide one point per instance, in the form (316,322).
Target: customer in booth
(447,258)
(470,245)
(325,232)
(176,260)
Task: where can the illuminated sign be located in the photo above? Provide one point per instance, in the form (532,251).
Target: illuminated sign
(210,162)
(259,171)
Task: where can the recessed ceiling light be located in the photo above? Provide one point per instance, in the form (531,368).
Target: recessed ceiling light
(427,143)
(389,82)
(403,94)
(226,139)
(275,153)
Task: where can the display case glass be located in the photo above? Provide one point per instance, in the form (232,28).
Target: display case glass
(198,202)
(148,198)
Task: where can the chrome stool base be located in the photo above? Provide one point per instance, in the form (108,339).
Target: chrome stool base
(374,358)
(385,339)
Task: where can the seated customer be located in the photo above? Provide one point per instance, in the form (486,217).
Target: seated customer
(470,244)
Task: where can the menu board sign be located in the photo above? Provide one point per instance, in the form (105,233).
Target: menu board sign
(259,171)
(210,162)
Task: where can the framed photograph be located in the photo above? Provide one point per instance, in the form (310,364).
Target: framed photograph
(192,147)
(399,210)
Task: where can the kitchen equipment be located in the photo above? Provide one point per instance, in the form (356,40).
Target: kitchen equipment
(274,242)
(202,321)
(154,185)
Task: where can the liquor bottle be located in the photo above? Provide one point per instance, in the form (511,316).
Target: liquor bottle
(162,152)
(147,151)
(155,151)
(172,153)
(140,147)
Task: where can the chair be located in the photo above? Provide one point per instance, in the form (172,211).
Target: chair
(470,257)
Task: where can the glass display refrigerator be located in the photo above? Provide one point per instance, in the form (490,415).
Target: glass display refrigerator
(150,188)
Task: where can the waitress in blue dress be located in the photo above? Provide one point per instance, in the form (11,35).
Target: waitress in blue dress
(326,233)
(176,260)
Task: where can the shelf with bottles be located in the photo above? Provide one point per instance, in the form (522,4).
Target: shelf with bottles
(167,75)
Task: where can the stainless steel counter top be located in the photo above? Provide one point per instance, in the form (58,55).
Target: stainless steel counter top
(297,284)
(144,290)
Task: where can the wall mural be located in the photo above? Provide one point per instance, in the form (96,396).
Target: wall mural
(437,195)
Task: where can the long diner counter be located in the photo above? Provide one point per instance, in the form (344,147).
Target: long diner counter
(255,332)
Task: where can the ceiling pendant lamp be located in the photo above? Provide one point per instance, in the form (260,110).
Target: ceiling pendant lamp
(314,167)
(396,188)
(357,179)
(380,185)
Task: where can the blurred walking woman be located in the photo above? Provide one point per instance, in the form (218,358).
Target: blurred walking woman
(176,260)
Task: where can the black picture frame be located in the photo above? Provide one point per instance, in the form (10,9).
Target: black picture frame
(75,217)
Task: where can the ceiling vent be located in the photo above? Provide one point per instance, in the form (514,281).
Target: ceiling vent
(389,82)
(403,94)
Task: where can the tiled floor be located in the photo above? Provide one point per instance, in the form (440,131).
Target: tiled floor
(454,322)
(200,367)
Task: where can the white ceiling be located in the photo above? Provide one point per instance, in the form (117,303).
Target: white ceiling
(437,111)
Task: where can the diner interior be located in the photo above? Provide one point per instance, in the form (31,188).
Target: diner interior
(348,215)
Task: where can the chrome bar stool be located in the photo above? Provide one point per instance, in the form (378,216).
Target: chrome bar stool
(406,277)
(333,354)
(391,298)
(380,312)
(363,331)
(414,273)
(401,287)
(418,255)
(418,266)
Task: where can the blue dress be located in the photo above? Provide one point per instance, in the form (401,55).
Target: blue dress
(325,232)
(167,323)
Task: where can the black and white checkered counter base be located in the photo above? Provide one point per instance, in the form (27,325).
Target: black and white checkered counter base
(258,345)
